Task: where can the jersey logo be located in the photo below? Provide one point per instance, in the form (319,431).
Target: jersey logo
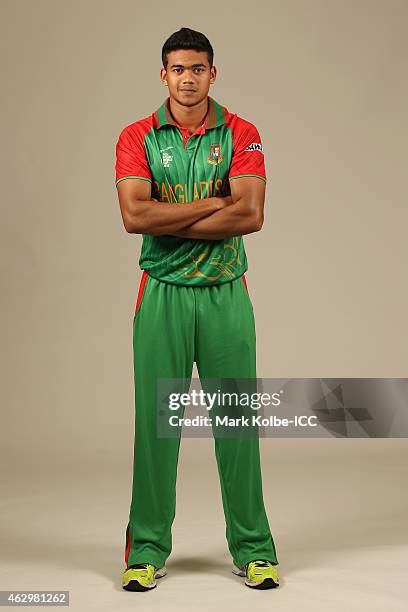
(215,156)
(254,146)
(166,157)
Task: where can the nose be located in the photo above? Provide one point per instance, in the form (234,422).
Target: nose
(188,76)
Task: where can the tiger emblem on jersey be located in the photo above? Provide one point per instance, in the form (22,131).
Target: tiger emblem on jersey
(215,156)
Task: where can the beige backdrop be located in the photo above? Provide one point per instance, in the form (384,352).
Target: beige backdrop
(325,83)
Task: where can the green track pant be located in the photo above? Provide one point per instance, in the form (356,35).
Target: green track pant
(175,326)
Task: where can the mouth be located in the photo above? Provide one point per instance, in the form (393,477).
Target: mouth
(188,90)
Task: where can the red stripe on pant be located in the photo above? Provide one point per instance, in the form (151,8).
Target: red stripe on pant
(142,286)
(245,283)
(127,551)
(141,289)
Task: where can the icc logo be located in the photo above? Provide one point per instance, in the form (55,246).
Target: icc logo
(215,156)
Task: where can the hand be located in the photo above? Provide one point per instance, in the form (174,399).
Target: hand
(226,201)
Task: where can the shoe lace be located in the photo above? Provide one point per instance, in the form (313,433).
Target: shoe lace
(261,563)
(140,566)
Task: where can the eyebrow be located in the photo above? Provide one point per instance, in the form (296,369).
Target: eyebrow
(181,66)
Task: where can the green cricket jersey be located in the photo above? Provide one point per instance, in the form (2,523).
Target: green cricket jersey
(185,167)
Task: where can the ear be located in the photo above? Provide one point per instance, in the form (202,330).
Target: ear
(163,76)
(213,75)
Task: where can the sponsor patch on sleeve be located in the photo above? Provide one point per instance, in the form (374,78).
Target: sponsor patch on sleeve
(254,146)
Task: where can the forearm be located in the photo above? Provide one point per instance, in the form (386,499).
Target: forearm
(235,220)
(158,218)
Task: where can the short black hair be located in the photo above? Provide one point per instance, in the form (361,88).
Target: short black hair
(185,38)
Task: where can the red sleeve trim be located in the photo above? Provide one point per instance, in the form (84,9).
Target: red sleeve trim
(131,159)
(248,155)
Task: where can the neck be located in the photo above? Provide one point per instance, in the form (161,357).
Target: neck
(189,117)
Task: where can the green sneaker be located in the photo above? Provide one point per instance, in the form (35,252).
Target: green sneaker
(259,574)
(141,577)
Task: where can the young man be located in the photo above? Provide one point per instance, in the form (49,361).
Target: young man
(191,179)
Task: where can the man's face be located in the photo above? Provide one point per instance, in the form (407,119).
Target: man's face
(188,76)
